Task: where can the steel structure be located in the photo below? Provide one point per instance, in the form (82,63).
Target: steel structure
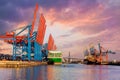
(97,56)
(103,53)
(30,46)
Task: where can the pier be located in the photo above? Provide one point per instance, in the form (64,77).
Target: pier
(20,64)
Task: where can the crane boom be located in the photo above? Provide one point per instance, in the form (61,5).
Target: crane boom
(34,19)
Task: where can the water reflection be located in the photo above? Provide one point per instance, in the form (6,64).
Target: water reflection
(68,72)
(95,72)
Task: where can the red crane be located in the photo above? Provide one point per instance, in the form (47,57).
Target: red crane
(51,44)
(9,35)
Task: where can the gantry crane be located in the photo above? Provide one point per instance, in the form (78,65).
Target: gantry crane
(29,46)
(94,56)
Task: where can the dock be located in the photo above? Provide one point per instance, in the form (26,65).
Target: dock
(20,64)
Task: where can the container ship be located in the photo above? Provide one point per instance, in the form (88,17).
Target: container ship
(94,56)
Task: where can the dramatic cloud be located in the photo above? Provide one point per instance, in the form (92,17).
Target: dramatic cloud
(5,48)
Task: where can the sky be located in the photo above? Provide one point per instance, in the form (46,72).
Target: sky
(74,24)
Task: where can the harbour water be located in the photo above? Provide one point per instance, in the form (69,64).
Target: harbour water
(63,72)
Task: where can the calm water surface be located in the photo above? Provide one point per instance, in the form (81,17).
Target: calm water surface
(67,72)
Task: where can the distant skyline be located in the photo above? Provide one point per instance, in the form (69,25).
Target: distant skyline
(74,24)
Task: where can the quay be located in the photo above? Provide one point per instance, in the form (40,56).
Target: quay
(19,64)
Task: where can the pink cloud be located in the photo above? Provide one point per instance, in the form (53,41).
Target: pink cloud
(5,48)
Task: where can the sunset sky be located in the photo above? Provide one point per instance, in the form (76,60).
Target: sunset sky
(74,24)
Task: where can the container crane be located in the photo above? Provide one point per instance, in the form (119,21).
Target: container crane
(29,44)
(94,56)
